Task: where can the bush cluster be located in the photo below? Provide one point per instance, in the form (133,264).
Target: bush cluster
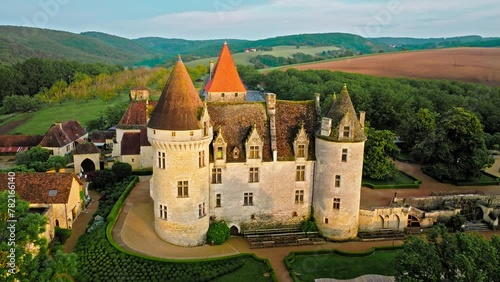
(218,232)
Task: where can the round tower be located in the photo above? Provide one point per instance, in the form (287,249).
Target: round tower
(339,167)
(180,132)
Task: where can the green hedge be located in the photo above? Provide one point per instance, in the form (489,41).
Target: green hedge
(486,179)
(415,184)
(145,171)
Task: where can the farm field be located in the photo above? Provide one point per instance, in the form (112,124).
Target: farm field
(278,51)
(480,65)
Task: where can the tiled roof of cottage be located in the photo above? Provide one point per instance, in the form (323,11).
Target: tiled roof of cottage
(20,140)
(237,120)
(131,143)
(225,77)
(342,107)
(289,117)
(102,135)
(179,103)
(61,134)
(34,187)
(85,148)
(135,115)
(139,87)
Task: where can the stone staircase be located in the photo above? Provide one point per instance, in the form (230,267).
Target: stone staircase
(477,226)
(381,235)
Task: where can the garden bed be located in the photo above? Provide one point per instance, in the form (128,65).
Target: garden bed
(400,181)
(485,179)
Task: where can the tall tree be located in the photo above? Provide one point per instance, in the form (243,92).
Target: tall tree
(378,148)
(457,149)
(418,127)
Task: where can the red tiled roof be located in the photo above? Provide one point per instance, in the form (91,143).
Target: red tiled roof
(225,77)
(179,103)
(13,149)
(102,135)
(34,187)
(237,120)
(61,134)
(135,115)
(131,143)
(289,116)
(20,140)
(85,148)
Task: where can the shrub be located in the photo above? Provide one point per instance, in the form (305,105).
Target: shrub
(103,178)
(218,232)
(308,226)
(121,170)
(62,234)
(456,222)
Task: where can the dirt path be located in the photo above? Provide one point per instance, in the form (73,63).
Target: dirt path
(81,222)
(6,128)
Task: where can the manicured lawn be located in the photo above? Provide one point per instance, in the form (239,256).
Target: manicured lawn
(401,180)
(83,112)
(253,270)
(310,267)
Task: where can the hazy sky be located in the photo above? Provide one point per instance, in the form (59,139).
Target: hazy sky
(207,19)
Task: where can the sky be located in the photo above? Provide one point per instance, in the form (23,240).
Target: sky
(240,19)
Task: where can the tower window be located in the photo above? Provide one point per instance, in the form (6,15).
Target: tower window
(201,158)
(300,173)
(337,180)
(220,153)
(326,220)
(163,212)
(205,128)
(173,133)
(347,131)
(191,133)
(161,160)
(236,95)
(222,95)
(248,199)
(254,152)
(216,175)
(344,155)
(299,196)
(336,203)
(218,200)
(182,189)
(254,175)
(301,148)
(201,210)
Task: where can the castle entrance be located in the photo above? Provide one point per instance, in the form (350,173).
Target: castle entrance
(234,231)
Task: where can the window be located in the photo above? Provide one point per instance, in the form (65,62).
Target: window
(248,199)
(347,131)
(337,180)
(205,128)
(300,173)
(132,160)
(182,189)
(191,133)
(326,220)
(254,152)
(222,95)
(301,148)
(201,158)
(163,212)
(201,210)
(344,155)
(173,133)
(336,203)
(220,153)
(299,196)
(254,175)
(218,200)
(161,160)
(235,94)
(216,175)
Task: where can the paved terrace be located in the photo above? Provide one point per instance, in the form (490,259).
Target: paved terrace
(134,228)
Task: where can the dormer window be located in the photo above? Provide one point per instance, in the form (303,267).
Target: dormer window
(347,132)
(301,150)
(220,146)
(300,143)
(236,153)
(254,152)
(220,153)
(254,145)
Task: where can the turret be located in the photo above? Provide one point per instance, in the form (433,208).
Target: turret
(180,132)
(337,182)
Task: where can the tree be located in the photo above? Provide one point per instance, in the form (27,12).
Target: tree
(57,162)
(218,232)
(449,257)
(418,127)
(38,154)
(121,170)
(378,147)
(457,149)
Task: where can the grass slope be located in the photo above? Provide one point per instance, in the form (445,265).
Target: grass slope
(278,51)
(83,112)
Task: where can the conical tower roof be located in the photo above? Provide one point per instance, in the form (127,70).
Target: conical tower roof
(342,109)
(179,103)
(225,77)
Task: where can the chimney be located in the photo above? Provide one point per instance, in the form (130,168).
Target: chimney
(362,118)
(326,126)
(212,66)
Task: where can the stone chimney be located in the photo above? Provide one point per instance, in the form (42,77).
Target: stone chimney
(362,118)
(326,126)
(212,67)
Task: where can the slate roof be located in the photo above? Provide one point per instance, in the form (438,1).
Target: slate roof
(225,77)
(135,115)
(179,104)
(342,107)
(34,187)
(131,143)
(61,134)
(85,148)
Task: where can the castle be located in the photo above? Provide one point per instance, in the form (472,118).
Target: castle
(251,164)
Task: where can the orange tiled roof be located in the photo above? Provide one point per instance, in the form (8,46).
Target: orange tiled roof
(179,103)
(225,77)
(34,187)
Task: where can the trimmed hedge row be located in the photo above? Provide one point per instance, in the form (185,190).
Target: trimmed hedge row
(416,183)
(140,172)
(494,180)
